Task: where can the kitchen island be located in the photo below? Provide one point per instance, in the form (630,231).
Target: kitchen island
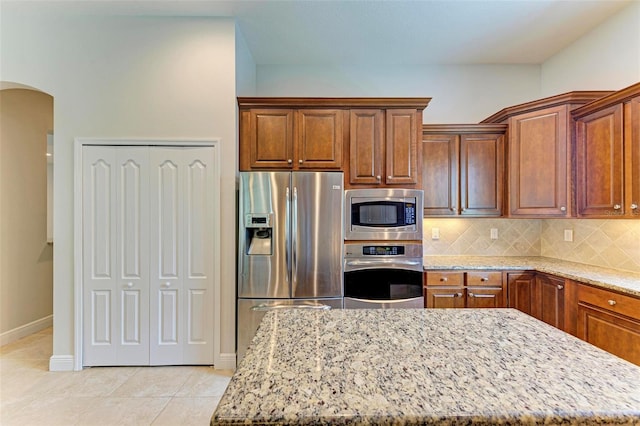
(414,366)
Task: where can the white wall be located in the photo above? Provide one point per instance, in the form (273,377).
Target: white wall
(460,94)
(607,58)
(127,77)
(245,67)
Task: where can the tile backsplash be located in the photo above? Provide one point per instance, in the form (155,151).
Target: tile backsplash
(612,243)
(608,243)
(472,237)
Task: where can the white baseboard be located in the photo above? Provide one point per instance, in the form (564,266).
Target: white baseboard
(61,363)
(227,362)
(25,330)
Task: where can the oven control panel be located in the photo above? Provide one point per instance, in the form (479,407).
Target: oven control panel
(383,250)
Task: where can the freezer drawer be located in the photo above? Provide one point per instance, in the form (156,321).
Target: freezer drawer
(251,311)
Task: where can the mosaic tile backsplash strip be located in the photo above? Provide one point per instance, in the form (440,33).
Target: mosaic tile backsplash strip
(607,243)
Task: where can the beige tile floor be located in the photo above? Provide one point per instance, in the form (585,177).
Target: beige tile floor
(32,395)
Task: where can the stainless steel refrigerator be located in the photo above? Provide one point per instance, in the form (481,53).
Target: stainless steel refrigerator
(290,239)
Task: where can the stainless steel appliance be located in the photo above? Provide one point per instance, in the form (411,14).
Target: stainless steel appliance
(383,214)
(290,243)
(383,275)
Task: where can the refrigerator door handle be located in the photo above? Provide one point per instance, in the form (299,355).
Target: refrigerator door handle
(264,307)
(294,241)
(287,232)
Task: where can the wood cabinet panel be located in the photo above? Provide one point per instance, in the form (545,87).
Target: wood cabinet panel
(539,183)
(444,297)
(366,146)
(521,291)
(632,146)
(442,278)
(485,297)
(271,138)
(551,298)
(481,175)
(320,138)
(440,155)
(600,164)
(401,146)
(484,278)
(609,331)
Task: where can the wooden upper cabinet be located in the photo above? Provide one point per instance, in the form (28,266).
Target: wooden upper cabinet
(462,169)
(377,138)
(320,138)
(539,176)
(402,146)
(383,147)
(366,146)
(607,159)
(539,154)
(270,136)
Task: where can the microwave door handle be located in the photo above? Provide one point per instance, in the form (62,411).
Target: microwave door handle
(294,242)
(287,234)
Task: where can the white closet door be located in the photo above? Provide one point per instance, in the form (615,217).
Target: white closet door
(181,218)
(115,256)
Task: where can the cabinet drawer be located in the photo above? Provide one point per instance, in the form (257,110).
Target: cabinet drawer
(621,304)
(445,278)
(484,278)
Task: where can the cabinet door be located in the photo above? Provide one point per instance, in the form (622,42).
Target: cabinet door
(632,146)
(600,166)
(538,168)
(115,255)
(320,139)
(366,146)
(521,291)
(182,211)
(401,146)
(440,174)
(444,297)
(551,295)
(481,175)
(270,138)
(485,297)
(609,330)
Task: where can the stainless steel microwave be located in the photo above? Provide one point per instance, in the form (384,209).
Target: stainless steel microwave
(383,214)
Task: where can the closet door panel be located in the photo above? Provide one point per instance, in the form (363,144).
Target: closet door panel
(199,166)
(99,260)
(133,254)
(167,268)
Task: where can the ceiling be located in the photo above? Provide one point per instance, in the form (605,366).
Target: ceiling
(390,32)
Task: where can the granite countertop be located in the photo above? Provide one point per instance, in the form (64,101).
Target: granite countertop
(613,279)
(420,366)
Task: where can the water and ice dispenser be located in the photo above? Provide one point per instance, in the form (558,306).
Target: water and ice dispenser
(258,234)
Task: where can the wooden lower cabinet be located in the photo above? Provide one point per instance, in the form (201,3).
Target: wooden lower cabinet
(610,321)
(521,291)
(471,289)
(550,294)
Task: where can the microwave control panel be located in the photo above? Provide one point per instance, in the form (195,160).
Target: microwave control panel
(383,250)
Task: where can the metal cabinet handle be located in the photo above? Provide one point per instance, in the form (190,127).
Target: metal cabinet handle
(289,161)
(471,295)
(634,206)
(611,302)
(299,161)
(563,209)
(389,177)
(378,178)
(560,287)
(457,295)
(483,279)
(444,279)
(617,206)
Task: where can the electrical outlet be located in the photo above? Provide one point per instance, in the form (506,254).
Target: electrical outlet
(494,233)
(435,233)
(568,234)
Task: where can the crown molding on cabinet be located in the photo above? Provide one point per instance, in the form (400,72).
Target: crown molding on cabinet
(269,102)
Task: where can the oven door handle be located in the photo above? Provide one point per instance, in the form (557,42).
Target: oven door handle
(382,263)
(264,307)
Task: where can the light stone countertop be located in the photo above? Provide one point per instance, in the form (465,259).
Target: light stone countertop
(421,366)
(612,279)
